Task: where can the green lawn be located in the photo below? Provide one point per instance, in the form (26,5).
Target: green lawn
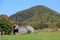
(36,36)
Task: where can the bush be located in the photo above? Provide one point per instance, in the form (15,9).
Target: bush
(58,25)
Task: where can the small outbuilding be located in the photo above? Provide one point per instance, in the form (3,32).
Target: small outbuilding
(23,29)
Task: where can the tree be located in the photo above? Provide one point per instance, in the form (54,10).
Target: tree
(5,24)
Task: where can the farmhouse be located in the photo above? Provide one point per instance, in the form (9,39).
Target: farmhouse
(23,29)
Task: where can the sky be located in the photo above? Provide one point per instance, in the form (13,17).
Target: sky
(10,7)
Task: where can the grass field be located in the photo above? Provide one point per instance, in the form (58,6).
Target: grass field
(35,36)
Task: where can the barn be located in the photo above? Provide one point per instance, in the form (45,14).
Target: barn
(23,29)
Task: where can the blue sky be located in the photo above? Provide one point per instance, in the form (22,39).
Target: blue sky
(10,7)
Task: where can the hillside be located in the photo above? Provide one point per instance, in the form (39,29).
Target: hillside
(37,14)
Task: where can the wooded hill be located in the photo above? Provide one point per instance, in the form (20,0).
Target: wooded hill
(36,16)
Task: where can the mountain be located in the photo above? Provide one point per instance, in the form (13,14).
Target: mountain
(37,14)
